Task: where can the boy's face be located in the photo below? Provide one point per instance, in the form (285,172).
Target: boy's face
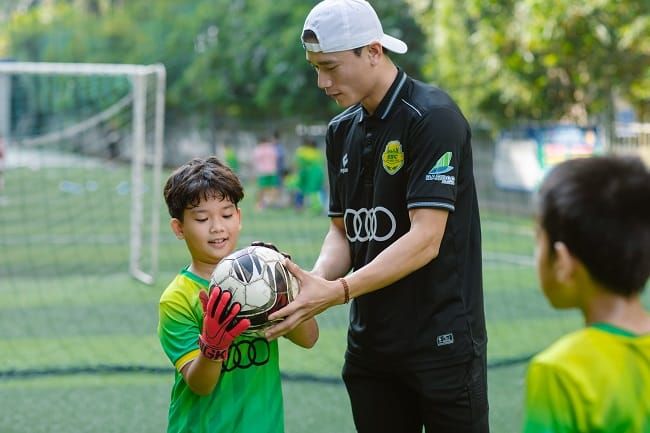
(210,230)
(555,272)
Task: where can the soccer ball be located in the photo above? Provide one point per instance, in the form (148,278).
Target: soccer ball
(259,281)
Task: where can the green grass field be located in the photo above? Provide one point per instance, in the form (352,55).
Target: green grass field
(78,334)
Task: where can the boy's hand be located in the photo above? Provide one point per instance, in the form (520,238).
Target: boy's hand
(271,246)
(220,326)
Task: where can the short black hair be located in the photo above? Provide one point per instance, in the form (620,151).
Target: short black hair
(599,207)
(201,179)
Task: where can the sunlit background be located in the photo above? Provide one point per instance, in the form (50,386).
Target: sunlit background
(101,99)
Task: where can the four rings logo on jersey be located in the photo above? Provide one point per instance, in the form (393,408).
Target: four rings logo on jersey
(364,225)
(244,353)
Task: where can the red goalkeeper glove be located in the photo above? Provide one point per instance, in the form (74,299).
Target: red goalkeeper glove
(220,324)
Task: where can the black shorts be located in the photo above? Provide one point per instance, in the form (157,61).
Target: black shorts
(447,399)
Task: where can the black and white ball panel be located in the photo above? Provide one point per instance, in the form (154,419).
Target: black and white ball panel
(259,281)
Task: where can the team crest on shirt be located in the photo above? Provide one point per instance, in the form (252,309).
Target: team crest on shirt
(393,157)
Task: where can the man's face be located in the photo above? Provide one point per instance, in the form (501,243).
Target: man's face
(343,75)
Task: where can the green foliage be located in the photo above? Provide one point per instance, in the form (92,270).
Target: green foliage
(539,60)
(247,60)
(502,60)
(224,58)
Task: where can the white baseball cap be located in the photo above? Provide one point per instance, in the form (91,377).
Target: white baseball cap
(341,25)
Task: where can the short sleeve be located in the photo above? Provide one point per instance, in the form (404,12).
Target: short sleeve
(178,330)
(435,148)
(333,169)
(551,405)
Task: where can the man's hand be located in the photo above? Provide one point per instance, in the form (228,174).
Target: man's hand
(220,326)
(316,295)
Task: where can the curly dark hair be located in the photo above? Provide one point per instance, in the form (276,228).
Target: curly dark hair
(201,179)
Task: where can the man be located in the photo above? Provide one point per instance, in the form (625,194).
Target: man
(404,217)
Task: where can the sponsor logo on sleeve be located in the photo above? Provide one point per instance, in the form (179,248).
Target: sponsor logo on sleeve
(393,157)
(344,164)
(442,166)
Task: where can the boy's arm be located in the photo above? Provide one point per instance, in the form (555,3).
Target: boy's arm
(220,328)
(305,335)
(202,374)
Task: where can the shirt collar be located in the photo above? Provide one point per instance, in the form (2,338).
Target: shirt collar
(387,103)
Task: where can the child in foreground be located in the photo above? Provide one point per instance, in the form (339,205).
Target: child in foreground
(593,253)
(224,382)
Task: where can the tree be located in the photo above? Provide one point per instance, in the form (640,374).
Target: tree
(540,60)
(225,59)
(253,64)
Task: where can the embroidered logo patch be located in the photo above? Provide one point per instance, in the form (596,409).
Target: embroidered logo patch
(445,339)
(393,157)
(344,164)
(442,166)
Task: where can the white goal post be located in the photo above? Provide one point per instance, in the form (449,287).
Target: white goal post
(138,77)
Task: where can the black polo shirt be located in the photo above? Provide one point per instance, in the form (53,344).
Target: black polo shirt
(413,152)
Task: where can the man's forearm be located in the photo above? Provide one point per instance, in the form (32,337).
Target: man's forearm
(413,250)
(334,258)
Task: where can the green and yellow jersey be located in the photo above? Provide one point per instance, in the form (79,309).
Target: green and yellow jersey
(594,380)
(311,169)
(248,396)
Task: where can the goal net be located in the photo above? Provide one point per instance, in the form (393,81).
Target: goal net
(80,202)
(64,127)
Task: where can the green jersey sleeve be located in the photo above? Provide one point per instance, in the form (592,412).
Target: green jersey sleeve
(549,406)
(181,318)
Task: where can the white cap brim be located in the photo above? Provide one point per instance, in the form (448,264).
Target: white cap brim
(393,44)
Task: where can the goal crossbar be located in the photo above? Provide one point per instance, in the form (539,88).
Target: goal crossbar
(80,68)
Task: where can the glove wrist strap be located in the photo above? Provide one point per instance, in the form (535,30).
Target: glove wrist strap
(213,353)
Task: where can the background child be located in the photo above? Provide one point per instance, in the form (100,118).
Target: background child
(310,166)
(224,382)
(265,164)
(593,253)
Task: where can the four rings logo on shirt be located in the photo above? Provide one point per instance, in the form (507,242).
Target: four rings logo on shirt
(247,353)
(364,225)
(442,166)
